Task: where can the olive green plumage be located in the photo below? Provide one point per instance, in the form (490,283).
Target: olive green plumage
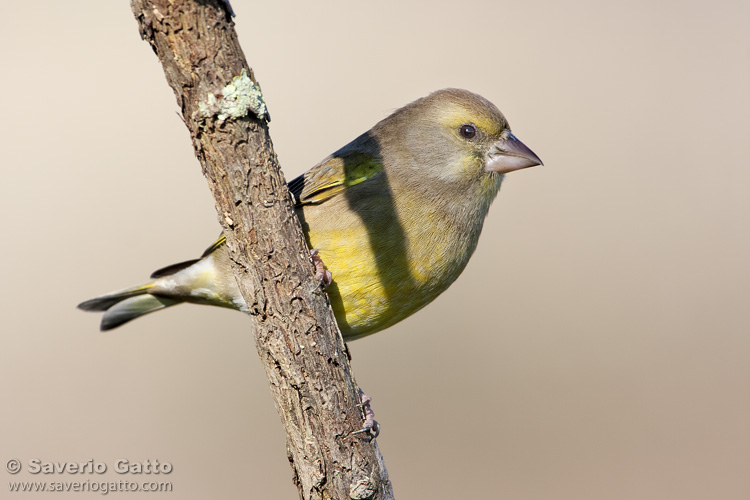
(395,216)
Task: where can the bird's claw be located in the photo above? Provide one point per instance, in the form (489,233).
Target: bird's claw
(323,275)
(370,425)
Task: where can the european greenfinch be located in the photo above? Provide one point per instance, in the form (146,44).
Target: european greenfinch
(395,216)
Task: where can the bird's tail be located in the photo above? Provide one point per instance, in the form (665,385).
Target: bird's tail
(124,305)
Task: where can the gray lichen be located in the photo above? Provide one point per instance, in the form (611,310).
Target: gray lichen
(236,100)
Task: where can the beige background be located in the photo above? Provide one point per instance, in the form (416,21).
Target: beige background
(596,347)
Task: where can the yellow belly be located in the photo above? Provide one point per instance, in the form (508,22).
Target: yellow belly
(383,274)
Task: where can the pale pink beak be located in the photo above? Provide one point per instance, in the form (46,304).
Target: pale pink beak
(509,154)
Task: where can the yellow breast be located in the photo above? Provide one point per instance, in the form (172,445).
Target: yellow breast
(386,265)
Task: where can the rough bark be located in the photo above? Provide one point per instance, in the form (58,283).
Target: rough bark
(296,335)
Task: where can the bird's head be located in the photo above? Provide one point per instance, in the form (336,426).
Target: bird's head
(455,136)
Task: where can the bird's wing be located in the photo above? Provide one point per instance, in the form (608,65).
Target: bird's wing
(222,239)
(343,169)
(333,175)
(175,268)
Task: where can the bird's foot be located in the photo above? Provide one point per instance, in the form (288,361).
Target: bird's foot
(323,275)
(370,425)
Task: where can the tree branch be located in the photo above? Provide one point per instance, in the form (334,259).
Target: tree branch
(296,335)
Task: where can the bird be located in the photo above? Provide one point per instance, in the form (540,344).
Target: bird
(393,216)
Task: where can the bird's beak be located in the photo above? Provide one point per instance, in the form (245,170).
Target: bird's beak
(509,154)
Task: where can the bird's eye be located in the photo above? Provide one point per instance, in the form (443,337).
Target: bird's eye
(467,131)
